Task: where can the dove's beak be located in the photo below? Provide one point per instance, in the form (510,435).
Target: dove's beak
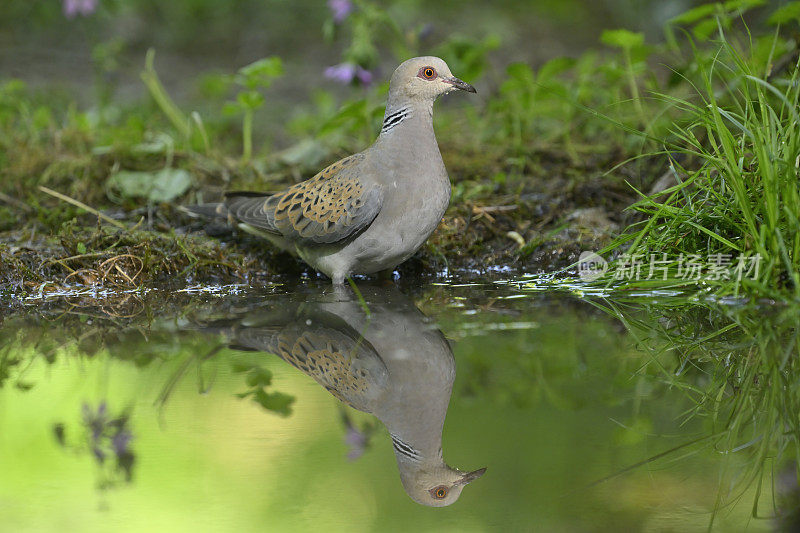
(471,476)
(460,84)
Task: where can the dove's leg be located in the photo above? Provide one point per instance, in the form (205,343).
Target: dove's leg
(334,265)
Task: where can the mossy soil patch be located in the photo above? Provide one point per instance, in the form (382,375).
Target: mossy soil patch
(539,221)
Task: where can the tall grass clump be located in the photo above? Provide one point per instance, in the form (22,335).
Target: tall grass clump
(734,158)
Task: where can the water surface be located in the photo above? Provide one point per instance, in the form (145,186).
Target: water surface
(248,409)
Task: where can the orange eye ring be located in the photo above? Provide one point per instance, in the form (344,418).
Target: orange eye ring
(427,73)
(439,492)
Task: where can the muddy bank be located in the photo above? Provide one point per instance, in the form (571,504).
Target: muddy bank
(539,222)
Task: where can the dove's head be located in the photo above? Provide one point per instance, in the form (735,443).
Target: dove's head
(436,486)
(424,78)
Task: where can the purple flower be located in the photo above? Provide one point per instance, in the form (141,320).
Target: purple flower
(79,7)
(340,9)
(364,76)
(347,72)
(343,72)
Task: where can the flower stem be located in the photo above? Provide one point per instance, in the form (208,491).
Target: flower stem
(247,136)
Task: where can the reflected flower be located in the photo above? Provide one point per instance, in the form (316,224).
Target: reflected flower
(79,7)
(356,439)
(108,437)
(340,9)
(120,442)
(347,72)
(99,454)
(95,420)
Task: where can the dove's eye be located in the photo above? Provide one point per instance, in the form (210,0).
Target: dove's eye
(428,73)
(439,492)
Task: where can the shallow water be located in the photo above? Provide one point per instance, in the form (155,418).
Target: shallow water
(591,410)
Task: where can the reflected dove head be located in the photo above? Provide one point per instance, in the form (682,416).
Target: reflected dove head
(439,485)
(424,78)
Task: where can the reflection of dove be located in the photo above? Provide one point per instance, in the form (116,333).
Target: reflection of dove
(391,364)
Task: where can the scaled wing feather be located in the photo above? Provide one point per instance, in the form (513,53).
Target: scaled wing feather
(330,207)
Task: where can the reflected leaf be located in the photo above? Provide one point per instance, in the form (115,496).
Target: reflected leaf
(276,402)
(259,377)
(58,432)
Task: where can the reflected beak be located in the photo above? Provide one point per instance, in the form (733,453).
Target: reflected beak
(460,84)
(475,474)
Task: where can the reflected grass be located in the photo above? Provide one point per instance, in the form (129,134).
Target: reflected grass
(739,367)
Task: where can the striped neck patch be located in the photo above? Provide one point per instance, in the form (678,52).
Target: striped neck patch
(395,118)
(404,449)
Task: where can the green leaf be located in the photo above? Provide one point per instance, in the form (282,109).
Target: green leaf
(352,111)
(785,14)
(161,186)
(705,29)
(554,67)
(230,109)
(695,14)
(261,73)
(154,147)
(521,72)
(742,5)
(467,57)
(307,152)
(81,248)
(250,99)
(214,84)
(624,39)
